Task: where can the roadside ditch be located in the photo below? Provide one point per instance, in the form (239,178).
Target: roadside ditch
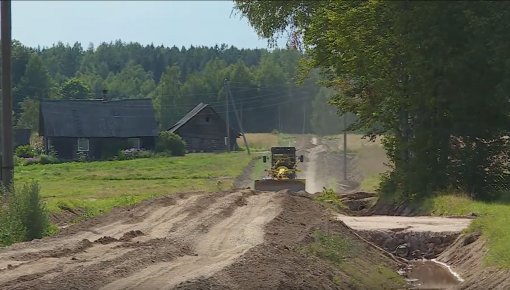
(420,240)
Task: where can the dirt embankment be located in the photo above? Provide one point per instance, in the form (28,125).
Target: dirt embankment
(467,257)
(240,239)
(283,262)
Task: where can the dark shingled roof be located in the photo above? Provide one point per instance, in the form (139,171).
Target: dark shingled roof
(198,108)
(195,111)
(95,118)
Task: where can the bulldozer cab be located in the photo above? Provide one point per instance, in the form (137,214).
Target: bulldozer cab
(283,172)
(283,156)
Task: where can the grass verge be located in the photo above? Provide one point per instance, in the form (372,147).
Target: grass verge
(493,219)
(259,168)
(493,222)
(349,257)
(97,187)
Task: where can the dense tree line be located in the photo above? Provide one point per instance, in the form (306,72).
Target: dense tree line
(263,83)
(432,77)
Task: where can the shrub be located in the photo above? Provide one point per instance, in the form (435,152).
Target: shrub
(23,215)
(329,196)
(110,149)
(133,153)
(81,156)
(48,159)
(170,143)
(11,230)
(30,161)
(31,212)
(25,151)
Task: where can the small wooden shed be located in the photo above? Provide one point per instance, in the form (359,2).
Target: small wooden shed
(204,130)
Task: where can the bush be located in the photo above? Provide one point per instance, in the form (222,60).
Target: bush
(81,156)
(23,216)
(170,143)
(48,159)
(329,196)
(25,151)
(11,230)
(133,153)
(110,149)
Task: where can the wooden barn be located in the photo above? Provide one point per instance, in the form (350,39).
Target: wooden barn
(96,129)
(204,130)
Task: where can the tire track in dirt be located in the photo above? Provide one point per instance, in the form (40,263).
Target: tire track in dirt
(219,247)
(48,255)
(206,229)
(282,261)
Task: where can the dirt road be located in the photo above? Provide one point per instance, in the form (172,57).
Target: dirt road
(411,224)
(153,246)
(228,240)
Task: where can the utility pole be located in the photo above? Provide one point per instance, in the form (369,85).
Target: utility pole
(229,94)
(304,118)
(227,116)
(241,113)
(345,146)
(279,119)
(7,142)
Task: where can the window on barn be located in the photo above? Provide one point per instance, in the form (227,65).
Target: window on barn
(83,145)
(207,119)
(134,143)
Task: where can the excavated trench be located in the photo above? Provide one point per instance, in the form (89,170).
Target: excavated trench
(417,240)
(411,245)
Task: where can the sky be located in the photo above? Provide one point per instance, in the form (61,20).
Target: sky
(179,23)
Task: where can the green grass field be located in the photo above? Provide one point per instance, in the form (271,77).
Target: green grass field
(97,187)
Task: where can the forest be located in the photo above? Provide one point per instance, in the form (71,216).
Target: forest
(264,83)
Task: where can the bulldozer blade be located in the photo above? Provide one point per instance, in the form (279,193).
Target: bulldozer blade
(293,185)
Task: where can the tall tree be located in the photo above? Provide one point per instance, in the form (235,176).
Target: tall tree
(274,83)
(244,92)
(20,57)
(74,89)
(167,97)
(35,82)
(414,71)
(324,119)
(29,116)
(132,82)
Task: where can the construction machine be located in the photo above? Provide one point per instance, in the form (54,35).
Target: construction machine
(283,172)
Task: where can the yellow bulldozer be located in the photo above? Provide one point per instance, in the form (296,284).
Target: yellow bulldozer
(283,172)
